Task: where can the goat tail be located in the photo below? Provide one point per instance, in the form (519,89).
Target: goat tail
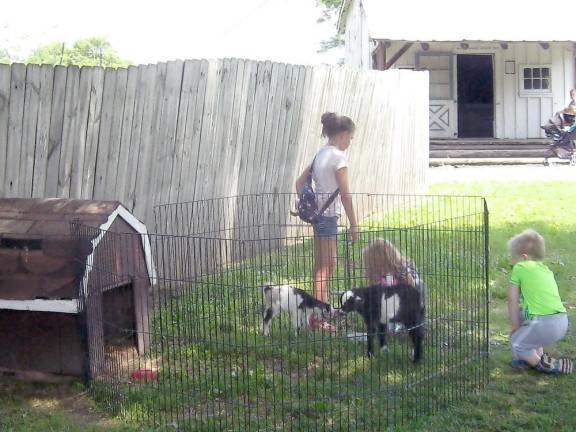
(267,292)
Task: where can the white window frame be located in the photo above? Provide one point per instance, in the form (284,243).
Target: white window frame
(533,92)
(451,71)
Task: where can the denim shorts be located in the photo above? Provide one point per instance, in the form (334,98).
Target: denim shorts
(326,226)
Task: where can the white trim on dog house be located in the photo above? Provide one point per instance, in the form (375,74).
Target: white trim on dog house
(138,226)
(40,305)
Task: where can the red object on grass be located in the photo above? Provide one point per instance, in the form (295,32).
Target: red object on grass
(144,375)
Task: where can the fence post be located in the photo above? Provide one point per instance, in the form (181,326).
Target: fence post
(487,284)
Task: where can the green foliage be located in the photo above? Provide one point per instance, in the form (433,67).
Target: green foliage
(5,57)
(330,9)
(52,53)
(334,42)
(95,51)
(92,51)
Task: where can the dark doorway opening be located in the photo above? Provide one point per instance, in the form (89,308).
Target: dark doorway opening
(118,316)
(475,96)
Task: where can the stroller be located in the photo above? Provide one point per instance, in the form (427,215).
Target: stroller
(562,130)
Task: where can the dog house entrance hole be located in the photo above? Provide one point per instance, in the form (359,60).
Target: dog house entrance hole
(20,244)
(119,316)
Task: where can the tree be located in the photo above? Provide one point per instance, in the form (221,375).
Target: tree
(5,57)
(95,51)
(92,51)
(52,53)
(330,10)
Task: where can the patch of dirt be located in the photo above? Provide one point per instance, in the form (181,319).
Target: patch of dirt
(122,360)
(70,398)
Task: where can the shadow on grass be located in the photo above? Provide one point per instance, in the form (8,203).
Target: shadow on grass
(520,400)
(31,407)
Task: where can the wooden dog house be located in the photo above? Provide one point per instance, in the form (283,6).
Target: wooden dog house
(72,273)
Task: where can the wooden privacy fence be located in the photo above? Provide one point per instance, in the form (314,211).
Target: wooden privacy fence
(182,131)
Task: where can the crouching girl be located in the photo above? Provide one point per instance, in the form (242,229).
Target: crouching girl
(537,314)
(386,266)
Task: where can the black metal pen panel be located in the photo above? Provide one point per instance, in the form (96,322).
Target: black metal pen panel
(207,365)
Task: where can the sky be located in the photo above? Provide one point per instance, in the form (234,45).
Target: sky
(146,31)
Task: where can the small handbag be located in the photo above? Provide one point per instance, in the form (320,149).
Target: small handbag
(307,205)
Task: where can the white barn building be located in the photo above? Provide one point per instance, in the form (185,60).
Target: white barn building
(498,69)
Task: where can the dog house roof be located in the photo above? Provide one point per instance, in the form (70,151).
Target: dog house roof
(51,216)
(46,271)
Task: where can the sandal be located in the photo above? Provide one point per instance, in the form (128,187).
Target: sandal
(554,366)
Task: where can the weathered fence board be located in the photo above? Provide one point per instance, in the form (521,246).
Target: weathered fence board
(56,126)
(15,131)
(69,130)
(79,139)
(112,163)
(92,132)
(128,118)
(31,102)
(192,134)
(135,138)
(182,131)
(165,149)
(4,116)
(146,142)
(105,132)
(43,131)
(245,165)
(187,103)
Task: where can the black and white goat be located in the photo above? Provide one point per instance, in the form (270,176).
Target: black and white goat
(381,306)
(298,303)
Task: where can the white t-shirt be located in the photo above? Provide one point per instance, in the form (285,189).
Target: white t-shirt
(329,159)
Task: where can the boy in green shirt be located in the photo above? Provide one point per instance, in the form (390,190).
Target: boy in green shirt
(536,311)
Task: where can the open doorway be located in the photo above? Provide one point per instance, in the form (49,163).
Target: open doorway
(475,96)
(118,316)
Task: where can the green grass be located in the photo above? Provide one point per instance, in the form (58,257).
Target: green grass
(27,407)
(512,401)
(520,400)
(218,372)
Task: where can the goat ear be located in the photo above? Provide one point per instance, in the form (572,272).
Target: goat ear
(345,297)
(359,301)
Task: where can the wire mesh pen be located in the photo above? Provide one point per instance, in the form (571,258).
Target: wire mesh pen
(210,368)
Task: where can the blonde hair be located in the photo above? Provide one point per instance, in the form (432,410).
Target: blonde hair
(528,242)
(381,258)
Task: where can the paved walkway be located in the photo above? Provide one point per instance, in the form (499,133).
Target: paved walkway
(448,174)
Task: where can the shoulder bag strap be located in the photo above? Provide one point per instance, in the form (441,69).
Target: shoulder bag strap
(312,168)
(328,202)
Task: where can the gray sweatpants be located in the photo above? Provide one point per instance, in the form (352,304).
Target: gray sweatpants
(538,332)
